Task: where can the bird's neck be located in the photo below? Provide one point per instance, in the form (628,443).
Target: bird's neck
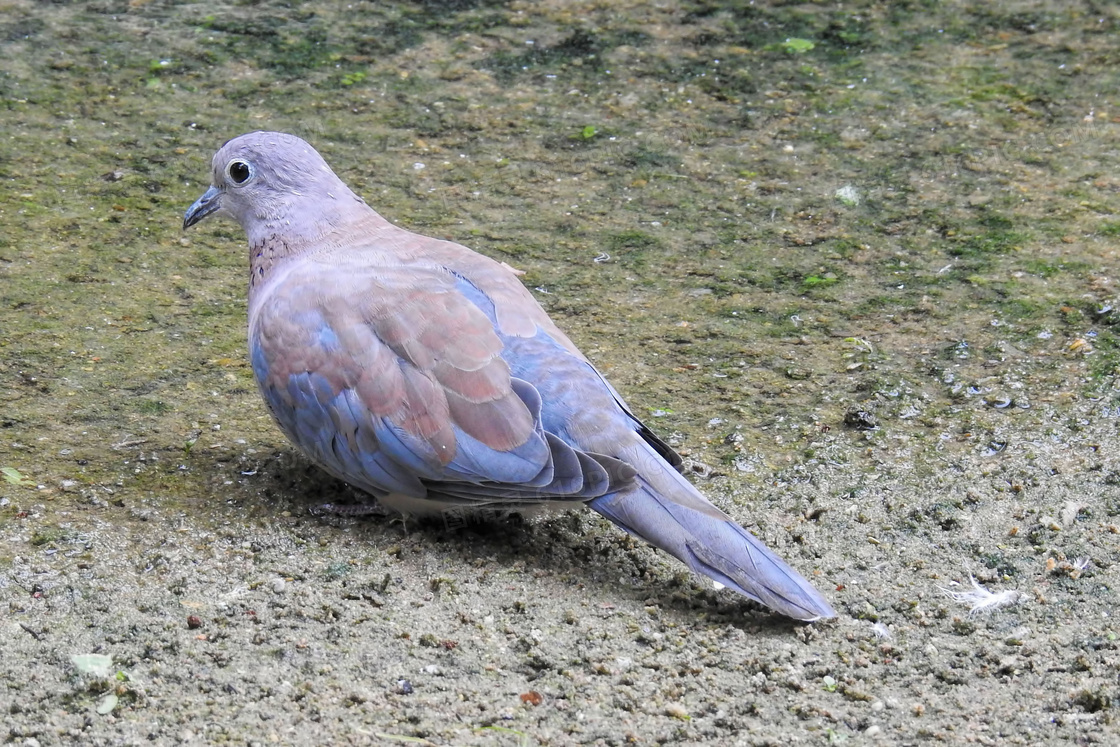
(273,243)
(266,251)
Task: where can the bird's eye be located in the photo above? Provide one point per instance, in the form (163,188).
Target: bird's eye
(239,172)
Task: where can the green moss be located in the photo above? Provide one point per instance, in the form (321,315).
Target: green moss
(152,407)
(817,282)
(1023,308)
(630,246)
(1104,364)
(581,52)
(982,245)
(1043,268)
(206,258)
(50,536)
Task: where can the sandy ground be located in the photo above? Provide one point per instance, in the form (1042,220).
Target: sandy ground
(907,389)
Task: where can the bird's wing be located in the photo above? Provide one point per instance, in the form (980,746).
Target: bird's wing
(394,379)
(522,324)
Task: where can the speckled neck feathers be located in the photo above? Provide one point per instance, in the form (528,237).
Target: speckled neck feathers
(274,241)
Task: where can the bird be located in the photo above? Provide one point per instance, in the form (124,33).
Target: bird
(428,376)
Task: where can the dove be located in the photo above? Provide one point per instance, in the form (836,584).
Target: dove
(428,376)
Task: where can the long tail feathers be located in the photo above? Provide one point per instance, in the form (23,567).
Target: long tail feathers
(705,539)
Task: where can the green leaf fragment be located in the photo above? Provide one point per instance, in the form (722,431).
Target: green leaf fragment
(795,45)
(15,477)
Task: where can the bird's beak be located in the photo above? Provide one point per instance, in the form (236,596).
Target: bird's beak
(209,203)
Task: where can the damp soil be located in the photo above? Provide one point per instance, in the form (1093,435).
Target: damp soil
(858,262)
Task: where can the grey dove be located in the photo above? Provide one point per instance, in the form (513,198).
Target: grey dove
(429,376)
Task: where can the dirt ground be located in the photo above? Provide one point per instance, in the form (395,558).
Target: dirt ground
(857,262)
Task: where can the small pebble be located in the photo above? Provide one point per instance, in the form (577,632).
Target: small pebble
(278,586)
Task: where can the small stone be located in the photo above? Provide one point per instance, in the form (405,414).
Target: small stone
(861,420)
(676,711)
(278,586)
(848,195)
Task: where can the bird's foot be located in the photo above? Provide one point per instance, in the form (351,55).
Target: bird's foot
(371,508)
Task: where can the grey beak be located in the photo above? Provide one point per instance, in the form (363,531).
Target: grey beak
(210,202)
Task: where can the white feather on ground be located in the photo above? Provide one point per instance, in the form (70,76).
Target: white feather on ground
(980,600)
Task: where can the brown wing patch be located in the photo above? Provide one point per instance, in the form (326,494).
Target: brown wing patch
(425,413)
(423,318)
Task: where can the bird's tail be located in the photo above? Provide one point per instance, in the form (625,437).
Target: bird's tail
(664,509)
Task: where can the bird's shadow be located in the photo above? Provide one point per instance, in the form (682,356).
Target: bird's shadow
(574,543)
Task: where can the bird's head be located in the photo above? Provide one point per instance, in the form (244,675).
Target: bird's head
(267,179)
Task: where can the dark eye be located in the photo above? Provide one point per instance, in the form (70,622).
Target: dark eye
(239,172)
